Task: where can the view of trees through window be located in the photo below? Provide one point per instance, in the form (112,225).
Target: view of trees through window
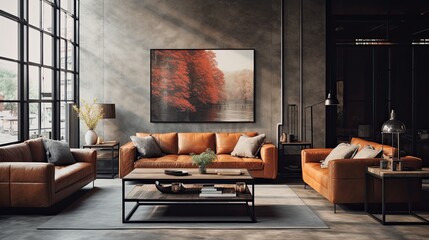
(38,67)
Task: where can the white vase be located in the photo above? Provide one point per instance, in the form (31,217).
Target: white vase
(90,137)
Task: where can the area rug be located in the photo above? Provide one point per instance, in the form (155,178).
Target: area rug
(276,207)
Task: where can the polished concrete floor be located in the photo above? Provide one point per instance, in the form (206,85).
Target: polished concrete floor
(348,223)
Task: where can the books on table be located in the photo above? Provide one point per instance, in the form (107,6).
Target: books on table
(212,191)
(226,172)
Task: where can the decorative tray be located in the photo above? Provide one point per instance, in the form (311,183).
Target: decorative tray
(178,187)
(176,172)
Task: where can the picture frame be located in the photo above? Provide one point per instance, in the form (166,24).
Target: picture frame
(202,85)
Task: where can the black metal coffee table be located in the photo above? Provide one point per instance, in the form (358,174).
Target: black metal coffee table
(144,192)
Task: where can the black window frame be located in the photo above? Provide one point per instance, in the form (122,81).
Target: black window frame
(57,56)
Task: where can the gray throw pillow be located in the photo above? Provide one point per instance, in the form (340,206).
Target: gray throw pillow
(368,152)
(342,151)
(147,146)
(248,146)
(58,152)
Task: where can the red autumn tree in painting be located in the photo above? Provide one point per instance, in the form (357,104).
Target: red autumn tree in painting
(184,81)
(206,80)
(170,80)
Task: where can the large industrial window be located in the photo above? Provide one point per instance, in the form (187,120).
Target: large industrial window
(38,67)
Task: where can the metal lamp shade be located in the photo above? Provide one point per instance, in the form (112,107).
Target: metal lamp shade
(108,110)
(331,101)
(393,125)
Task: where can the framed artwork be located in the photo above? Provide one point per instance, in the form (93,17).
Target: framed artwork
(202,85)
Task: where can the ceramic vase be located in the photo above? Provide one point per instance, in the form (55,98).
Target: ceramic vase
(90,137)
(202,169)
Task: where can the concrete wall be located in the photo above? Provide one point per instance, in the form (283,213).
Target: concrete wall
(116,38)
(313,80)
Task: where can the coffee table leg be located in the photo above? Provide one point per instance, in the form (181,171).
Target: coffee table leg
(383,201)
(253,203)
(123,201)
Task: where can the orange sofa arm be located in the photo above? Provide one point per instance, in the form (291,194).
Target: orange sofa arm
(31,184)
(269,155)
(127,156)
(412,162)
(355,168)
(314,154)
(350,168)
(346,179)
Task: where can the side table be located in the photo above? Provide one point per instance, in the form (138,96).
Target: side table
(291,167)
(109,152)
(384,174)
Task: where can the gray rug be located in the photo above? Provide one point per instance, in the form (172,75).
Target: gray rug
(277,207)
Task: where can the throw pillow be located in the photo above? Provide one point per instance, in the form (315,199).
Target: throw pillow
(342,151)
(58,152)
(368,152)
(147,146)
(248,146)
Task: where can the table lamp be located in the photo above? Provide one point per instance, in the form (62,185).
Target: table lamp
(393,127)
(109,112)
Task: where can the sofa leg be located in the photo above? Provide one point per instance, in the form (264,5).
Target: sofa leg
(93,183)
(335,208)
(305,185)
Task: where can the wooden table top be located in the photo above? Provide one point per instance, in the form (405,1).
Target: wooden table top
(298,143)
(104,144)
(158,174)
(400,174)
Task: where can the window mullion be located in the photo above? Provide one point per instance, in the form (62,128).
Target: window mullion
(56,121)
(23,125)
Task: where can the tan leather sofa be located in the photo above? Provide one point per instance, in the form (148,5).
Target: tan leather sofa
(27,180)
(344,179)
(178,146)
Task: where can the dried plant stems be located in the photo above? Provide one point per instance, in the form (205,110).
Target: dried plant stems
(90,113)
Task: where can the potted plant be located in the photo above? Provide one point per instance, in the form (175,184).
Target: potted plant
(90,113)
(203,159)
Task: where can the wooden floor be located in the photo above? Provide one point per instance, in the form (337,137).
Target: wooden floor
(347,224)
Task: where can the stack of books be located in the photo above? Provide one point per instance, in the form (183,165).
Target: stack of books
(211,191)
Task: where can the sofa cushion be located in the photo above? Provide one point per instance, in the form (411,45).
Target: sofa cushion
(228,161)
(225,142)
(146,146)
(387,150)
(195,142)
(318,174)
(185,161)
(68,175)
(342,151)
(19,152)
(37,149)
(368,152)
(166,141)
(248,146)
(167,161)
(58,152)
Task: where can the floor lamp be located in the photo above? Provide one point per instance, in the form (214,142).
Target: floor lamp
(329,101)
